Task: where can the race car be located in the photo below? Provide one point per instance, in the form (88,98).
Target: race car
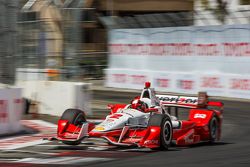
(146,122)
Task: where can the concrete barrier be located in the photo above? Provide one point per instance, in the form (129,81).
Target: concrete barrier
(53,97)
(11,110)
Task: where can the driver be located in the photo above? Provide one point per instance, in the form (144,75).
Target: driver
(139,105)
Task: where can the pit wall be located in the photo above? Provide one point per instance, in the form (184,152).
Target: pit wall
(182,59)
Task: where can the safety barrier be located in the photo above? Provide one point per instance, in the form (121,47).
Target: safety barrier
(54,97)
(182,59)
(11,110)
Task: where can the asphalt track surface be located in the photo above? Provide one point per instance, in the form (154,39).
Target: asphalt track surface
(232,150)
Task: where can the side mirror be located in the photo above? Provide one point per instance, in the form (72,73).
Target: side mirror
(151,110)
(110,106)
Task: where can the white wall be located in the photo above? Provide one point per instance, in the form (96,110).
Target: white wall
(54,97)
(11,110)
(182,59)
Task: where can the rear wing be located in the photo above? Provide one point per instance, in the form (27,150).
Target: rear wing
(200,101)
(178,101)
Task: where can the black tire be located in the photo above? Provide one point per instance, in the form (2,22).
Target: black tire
(166,134)
(72,143)
(213,129)
(76,117)
(26,105)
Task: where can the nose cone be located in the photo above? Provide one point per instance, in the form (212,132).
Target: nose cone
(113,122)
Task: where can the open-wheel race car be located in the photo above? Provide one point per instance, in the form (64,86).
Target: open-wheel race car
(146,122)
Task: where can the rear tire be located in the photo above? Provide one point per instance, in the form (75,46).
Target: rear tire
(75,117)
(166,133)
(213,129)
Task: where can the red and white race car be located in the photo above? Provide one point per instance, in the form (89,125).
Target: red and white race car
(146,122)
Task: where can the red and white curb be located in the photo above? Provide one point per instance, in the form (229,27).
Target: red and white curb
(45,129)
(62,160)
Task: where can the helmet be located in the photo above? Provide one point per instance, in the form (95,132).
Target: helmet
(138,105)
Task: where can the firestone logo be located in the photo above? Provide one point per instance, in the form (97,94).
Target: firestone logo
(210,82)
(151,142)
(186,84)
(119,78)
(164,83)
(138,79)
(240,84)
(4,111)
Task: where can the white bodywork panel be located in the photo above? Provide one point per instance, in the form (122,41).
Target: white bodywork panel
(120,119)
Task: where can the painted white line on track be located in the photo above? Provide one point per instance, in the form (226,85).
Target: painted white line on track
(46,129)
(22,145)
(62,160)
(10,159)
(27,151)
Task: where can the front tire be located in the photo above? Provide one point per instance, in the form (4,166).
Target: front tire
(166,133)
(75,117)
(72,143)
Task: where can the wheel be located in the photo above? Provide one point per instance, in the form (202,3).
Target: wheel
(213,129)
(76,117)
(72,143)
(166,133)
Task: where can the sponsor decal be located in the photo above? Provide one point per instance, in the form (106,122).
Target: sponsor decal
(99,128)
(156,49)
(151,142)
(115,116)
(110,120)
(189,136)
(164,83)
(178,99)
(182,49)
(4,116)
(138,79)
(210,82)
(109,124)
(207,49)
(236,49)
(119,78)
(116,48)
(186,84)
(203,116)
(179,49)
(240,84)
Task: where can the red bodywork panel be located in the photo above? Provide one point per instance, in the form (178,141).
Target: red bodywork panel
(196,128)
(115,107)
(70,131)
(142,137)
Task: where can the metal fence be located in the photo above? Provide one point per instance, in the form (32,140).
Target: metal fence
(8,40)
(30,39)
(57,43)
